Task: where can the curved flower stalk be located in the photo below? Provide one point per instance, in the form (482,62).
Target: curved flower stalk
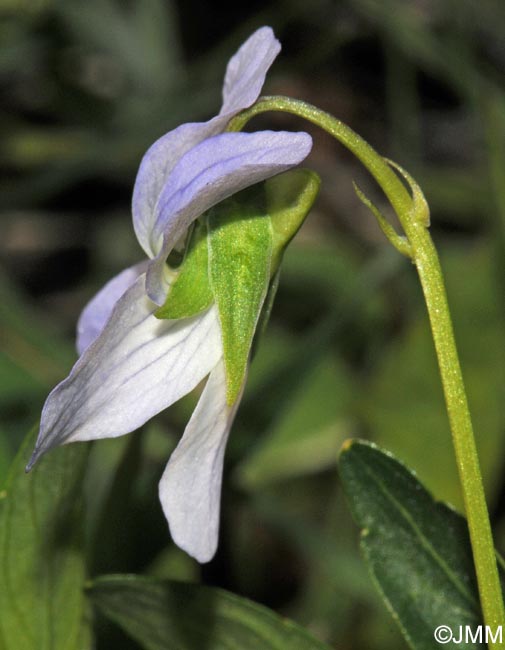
(132,365)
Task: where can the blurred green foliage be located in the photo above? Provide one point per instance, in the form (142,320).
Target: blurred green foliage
(85,88)
(165,615)
(42,604)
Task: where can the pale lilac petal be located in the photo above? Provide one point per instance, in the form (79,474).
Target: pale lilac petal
(98,310)
(156,165)
(247,69)
(190,488)
(137,367)
(244,79)
(210,172)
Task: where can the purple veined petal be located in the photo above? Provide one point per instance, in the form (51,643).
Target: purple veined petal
(137,367)
(247,69)
(210,172)
(155,167)
(98,310)
(190,488)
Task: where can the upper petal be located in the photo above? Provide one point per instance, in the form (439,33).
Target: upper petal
(138,366)
(190,488)
(98,310)
(155,167)
(210,172)
(247,69)
(244,79)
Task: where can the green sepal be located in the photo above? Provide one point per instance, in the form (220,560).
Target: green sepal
(240,251)
(266,310)
(190,294)
(289,198)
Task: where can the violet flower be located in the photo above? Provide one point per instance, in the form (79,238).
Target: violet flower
(132,364)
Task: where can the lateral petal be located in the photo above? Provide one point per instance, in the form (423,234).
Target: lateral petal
(190,488)
(98,310)
(247,69)
(210,172)
(137,367)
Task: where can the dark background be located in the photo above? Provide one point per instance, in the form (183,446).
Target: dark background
(85,88)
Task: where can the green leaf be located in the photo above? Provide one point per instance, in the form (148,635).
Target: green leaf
(418,550)
(164,615)
(240,249)
(191,293)
(42,571)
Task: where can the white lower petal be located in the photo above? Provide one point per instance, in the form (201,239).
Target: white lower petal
(190,488)
(98,310)
(137,367)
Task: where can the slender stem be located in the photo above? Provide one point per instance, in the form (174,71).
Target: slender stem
(425,258)
(430,275)
(380,170)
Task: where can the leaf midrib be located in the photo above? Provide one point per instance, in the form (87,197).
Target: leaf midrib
(425,543)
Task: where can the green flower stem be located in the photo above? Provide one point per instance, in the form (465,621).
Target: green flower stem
(430,274)
(414,218)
